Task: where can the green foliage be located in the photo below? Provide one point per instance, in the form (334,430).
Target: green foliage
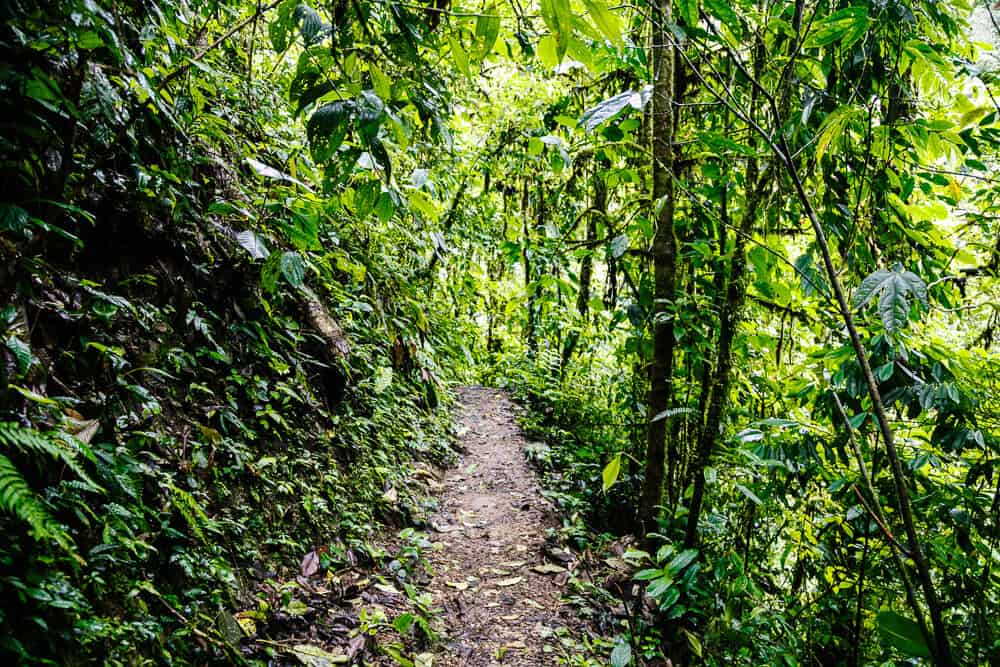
(246,247)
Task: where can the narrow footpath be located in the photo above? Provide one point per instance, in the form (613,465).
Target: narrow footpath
(496,579)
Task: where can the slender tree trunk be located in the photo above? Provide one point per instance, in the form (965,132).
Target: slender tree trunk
(729,322)
(664,264)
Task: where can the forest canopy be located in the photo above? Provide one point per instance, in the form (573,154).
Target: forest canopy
(739,262)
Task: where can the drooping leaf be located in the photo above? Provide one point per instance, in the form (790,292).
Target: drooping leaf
(845,26)
(902,633)
(311,25)
(610,109)
(892,288)
(253,244)
(609,23)
(619,245)
(487,30)
(723,11)
(833,127)
(688,10)
(611,471)
(459,55)
(559,19)
(328,127)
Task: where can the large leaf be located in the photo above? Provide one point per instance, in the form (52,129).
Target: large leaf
(621,654)
(833,127)
(892,288)
(270,172)
(293,268)
(311,25)
(606,21)
(845,26)
(724,11)
(328,127)
(902,633)
(559,19)
(612,107)
(487,30)
(611,471)
(253,244)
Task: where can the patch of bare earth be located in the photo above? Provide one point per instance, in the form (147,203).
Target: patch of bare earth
(498,586)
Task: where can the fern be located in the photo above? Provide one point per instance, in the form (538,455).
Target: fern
(192,512)
(29,441)
(17,498)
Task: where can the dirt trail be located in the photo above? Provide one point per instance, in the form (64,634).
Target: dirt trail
(493,576)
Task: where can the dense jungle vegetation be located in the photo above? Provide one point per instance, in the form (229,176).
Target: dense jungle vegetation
(739,260)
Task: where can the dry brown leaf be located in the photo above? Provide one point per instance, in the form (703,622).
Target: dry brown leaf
(513,581)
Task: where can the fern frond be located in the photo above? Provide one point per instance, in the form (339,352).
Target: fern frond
(65,449)
(17,498)
(192,512)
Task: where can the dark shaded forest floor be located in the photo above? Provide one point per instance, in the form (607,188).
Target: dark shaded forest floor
(494,575)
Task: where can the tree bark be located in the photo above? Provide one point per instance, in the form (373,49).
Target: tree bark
(664,264)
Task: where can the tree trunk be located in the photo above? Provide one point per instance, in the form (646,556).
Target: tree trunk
(664,264)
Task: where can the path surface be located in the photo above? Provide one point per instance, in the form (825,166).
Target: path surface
(493,576)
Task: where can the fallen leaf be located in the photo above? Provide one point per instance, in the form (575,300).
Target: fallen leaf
(310,564)
(355,646)
(314,656)
(458,585)
(547,568)
(513,581)
(444,529)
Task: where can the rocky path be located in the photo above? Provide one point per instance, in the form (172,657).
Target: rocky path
(498,585)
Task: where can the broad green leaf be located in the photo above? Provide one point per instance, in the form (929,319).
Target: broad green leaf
(833,127)
(488,29)
(559,19)
(459,55)
(682,560)
(688,10)
(403,623)
(902,633)
(548,51)
(381,83)
(606,21)
(845,26)
(723,11)
(749,494)
(621,655)
(293,268)
(611,471)
(328,127)
(892,288)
